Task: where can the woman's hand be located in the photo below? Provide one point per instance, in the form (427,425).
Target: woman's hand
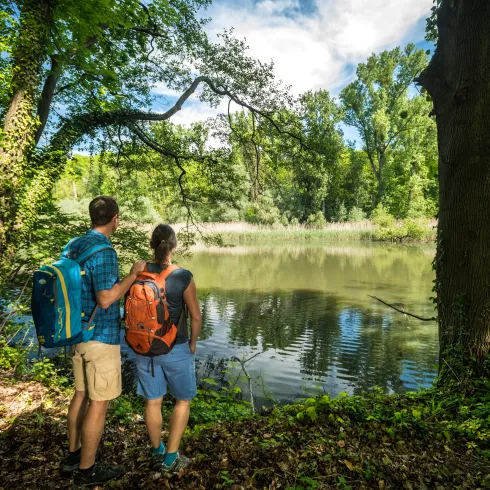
(193,346)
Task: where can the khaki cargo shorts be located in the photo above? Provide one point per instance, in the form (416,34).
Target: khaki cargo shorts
(97,369)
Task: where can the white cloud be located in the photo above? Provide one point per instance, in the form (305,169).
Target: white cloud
(312,50)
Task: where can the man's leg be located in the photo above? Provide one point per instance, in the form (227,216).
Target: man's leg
(178,423)
(76,414)
(153,420)
(92,430)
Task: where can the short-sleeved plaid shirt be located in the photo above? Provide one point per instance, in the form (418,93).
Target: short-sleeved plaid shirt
(101,273)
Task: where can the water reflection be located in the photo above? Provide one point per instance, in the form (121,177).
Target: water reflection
(309,308)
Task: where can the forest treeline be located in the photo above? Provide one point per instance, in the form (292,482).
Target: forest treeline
(238,167)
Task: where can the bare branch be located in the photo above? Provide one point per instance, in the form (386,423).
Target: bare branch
(151,32)
(225,92)
(404,312)
(165,151)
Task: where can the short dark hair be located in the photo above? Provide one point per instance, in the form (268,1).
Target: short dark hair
(102,209)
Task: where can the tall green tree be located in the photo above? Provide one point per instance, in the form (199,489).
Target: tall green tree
(379,105)
(306,170)
(82,68)
(458,80)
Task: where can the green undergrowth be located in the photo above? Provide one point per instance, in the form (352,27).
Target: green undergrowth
(433,439)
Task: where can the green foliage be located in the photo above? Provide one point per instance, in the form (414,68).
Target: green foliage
(316,220)
(13,358)
(45,372)
(103,62)
(126,409)
(263,212)
(398,136)
(8,26)
(356,214)
(431,33)
(389,229)
(211,406)
(416,229)
(381,217)
(342,214)
(397,231)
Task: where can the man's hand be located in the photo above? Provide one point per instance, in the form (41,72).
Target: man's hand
(192,346)
(138,267)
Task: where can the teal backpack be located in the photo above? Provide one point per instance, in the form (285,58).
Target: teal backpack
(56,300)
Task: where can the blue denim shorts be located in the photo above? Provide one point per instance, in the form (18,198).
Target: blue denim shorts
(177,368)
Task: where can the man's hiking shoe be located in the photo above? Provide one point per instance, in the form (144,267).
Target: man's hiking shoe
(71,462)
(180,463)
(98,476)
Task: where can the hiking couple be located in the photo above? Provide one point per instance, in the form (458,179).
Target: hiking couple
(97,362)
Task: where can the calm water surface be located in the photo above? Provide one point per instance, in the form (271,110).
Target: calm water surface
(308,309)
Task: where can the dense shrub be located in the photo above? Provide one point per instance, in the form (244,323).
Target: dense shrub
(381,217)
(341,214)
(396,231)
(316,220)
(356,214)
(262,212)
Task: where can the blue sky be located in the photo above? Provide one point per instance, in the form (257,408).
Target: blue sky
(315,43)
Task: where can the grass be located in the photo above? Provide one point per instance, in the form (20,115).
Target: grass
(241,233)
(245,233)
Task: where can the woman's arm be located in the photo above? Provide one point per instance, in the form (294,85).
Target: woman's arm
(190,298)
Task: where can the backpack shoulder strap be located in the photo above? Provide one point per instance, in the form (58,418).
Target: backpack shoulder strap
(89,252)
(168,270)
(65,254)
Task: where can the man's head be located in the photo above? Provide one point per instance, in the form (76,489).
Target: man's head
(104,213)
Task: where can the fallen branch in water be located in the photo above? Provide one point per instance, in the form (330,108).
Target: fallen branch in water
(433,319)
(249,379)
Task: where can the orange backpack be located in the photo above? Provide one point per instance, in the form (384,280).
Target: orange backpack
(149,329)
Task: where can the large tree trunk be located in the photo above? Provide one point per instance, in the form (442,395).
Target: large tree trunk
(458,79)
(20,121)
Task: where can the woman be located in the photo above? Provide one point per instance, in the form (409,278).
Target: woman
(175,368)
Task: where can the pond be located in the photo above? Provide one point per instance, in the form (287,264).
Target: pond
(307,311)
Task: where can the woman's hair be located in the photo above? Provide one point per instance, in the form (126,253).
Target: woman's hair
(163,241)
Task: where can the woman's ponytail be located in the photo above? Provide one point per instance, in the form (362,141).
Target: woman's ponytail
(163,241)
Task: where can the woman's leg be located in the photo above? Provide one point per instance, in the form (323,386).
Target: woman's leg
(178,423)
(153,420)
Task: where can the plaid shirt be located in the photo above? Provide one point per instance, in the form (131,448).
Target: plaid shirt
(101,273)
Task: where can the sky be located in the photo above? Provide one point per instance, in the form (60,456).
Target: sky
(315,44)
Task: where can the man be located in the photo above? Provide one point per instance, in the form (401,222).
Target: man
(97,363)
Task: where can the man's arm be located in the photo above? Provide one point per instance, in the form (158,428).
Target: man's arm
(106,297)
(190,298)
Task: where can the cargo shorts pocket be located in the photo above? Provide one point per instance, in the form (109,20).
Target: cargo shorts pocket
(107,385)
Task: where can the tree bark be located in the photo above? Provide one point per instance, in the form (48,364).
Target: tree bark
(458,80)
(381,185)
(46,99)
(20,122)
